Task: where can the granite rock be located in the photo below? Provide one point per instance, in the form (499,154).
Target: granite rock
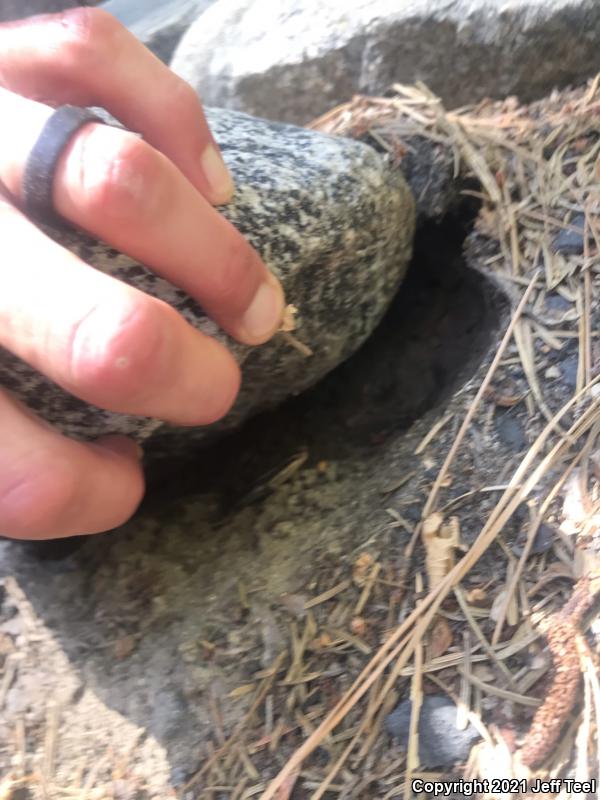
(330,217)
(159,24)
(294,59)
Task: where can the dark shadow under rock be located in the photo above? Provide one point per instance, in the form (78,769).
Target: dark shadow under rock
(436,329)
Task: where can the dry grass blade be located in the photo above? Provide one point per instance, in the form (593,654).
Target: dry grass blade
(496,691)
(534,527)
(481,638)
(261,693)
(400,649)
(327,595)
(432,433)
(538,173)
(443,473)
(416,700)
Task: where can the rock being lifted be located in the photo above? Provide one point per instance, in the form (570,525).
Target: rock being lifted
(330,218)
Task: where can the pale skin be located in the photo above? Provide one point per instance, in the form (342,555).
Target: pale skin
(107,343)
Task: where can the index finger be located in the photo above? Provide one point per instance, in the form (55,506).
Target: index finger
(86,57)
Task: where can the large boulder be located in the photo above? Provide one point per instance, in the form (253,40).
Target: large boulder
(294,59)
(330,217)
(159,24)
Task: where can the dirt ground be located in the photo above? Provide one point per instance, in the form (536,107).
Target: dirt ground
(137,639)
(190,652)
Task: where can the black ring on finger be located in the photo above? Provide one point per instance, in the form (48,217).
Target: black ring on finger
(40,169)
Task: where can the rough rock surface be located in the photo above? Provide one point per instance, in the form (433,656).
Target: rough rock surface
(159,24)
(294,59)
(329,218)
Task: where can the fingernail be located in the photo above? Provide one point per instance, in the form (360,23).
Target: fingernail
(263,315)
(217,175)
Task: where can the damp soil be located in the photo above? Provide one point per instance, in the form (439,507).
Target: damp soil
(133,648)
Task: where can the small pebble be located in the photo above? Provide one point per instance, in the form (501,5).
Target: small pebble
(284,529)
(558,304)
(542,541)
(553,372)
(570,366)
(441,743)
(570,242)
(510,431)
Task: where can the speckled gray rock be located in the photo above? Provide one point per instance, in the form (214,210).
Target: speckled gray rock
(441,743)
(159,24)
(330,218)
(294,59)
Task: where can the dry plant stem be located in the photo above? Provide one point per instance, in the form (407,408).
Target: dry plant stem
(533,528)
(430,504)
(288,787)
(472,718)
(524,341)
(425,611)
(561,633)
(464,703)
(496,691)
(427,608)
(416,698)
(375,722)
(585,356)
(507,151)
(326,783)
(260,696)
(458,593)
(432,433)
(453,126)
(402,648)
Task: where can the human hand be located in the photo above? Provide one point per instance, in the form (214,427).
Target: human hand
(100,339)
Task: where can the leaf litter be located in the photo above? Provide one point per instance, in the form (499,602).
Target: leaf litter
(537,168)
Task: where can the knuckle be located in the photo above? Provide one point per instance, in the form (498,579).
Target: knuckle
(38,498)
(119,176)
(88,35)
(182,95)
(114,349)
